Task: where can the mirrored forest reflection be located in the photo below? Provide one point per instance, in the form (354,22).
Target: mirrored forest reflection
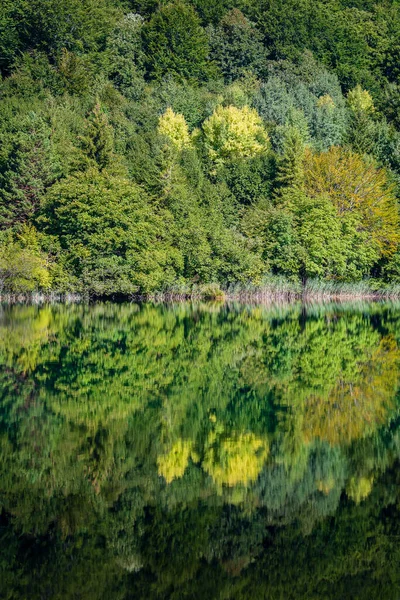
(199,451)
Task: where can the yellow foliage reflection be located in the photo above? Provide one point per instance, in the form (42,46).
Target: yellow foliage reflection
(354,408)
(23,337)
(173,464)
(359,488)
(236,460)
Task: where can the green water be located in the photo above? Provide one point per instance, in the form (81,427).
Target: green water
(199,452)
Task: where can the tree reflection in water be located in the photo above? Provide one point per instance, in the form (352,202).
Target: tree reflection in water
(199,451)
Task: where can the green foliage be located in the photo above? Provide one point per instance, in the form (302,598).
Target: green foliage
(145,447)
(309,91)
(291,163)
(51,25)
(97,142)
(348,39)
(198,145)
(218,111)
(212,12)
(176,43)
(213,248)
(113,240)
(23,266)
(319,248)
(236,46)
(250,180)
(28,166)
(10,13)
(126,56)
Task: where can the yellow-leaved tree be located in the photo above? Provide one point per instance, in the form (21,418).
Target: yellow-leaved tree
(174,127)
(358,189)
(232,132)
(360,101)
(23,266)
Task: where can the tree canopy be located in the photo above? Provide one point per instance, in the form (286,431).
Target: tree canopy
(262,138)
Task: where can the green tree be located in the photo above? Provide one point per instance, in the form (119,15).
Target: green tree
(98,140)
(112,239)
(28,166)
(23,265)
(10,44)
(175,43)
(236,46)
(126,56)
(212,12)
(51,25)
(291,163)
(319,245)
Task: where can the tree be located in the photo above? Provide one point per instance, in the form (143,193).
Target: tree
(112,239)
(195,103)
(76,73)
(51,25)
(175,43)
(319,245)
(390,104)
(10,14)
(251,179)
(286,25)
(212,247)
(308,90)
(174,128)
(212,12)
(236,46)
(126,57)
(329,123)
(360,101)
(28,166)
(291,163)
(97,142)
(361,124)
(357,187)
(232,133)
(23,265)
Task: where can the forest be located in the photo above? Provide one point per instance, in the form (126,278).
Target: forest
(150,145)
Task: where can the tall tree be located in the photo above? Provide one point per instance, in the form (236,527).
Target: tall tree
(97,142)
(357,187)
(28,166)
(236,46)
(291,163)
(176,43)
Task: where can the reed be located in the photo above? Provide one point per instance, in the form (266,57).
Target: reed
(278,289)
(271,289)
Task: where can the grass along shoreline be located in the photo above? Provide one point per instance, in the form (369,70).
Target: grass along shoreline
(271,290)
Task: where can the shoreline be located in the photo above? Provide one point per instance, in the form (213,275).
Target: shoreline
(255,296)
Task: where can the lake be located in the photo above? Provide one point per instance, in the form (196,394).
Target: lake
(200,452)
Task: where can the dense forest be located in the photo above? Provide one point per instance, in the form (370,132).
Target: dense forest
(151,145)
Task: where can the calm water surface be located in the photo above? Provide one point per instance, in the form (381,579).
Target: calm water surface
(199,452)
